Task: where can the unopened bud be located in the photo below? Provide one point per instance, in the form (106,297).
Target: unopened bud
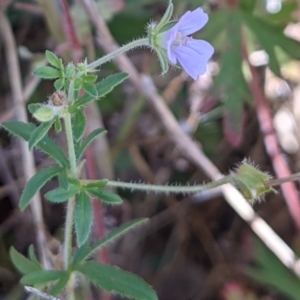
(44,114)
(251,182)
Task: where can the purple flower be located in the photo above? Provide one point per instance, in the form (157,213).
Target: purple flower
(190,53)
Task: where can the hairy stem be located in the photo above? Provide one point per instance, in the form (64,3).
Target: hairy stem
(171,189)
(112,55)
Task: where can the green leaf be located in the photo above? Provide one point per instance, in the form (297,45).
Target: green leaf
(105,196)
(89,78)
(32,107)
(32,256)
(248,5)
(24,265)
(114,280)
(59,194)
(59,84)
(270,271)
(269,36)
(57,125)
(24,131)
(40,277)
(54,60)
(60,284)
(63,179)
(78,124)
(85,143)
(38,133)
(90,89)
(100,184)
(35,183)
(83,218)
(77,83)
(46,72)
(103,88)
(86,251)
(230,82)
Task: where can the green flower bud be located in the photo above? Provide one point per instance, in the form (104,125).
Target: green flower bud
(251,182)
(44,114)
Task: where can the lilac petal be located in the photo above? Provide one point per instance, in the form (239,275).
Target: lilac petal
(192,21)
(193,56)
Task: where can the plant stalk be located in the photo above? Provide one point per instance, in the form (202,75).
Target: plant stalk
(169,188)
(134,44)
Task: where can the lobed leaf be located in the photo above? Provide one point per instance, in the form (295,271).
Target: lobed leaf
(46,72)
(60,194)
(38,133)
(78,124)
(85,143)
(105,196)
(83,218)
(90,89)
(40,277)
(24,131)
(86,251)
(32,256)
(103,87)
(35,183)
(23,264)
(60,284)
(114,280)
(54,60)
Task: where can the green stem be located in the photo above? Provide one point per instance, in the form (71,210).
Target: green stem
(134,44)
(71,202)
(171,189)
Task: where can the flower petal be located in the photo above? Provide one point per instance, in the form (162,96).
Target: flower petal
(192,21)
(193,56)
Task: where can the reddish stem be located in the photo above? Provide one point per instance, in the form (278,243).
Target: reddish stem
(271,143)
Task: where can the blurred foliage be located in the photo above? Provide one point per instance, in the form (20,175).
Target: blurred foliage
(271,272)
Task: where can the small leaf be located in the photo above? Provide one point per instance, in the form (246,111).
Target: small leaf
(57,125)
(46,72)
(32,107)
(86,251)
(24,131)
(39,133)
(78,125)
(83,218)
(105,196)
(32,256)
(103,88)
(35,183)
(40,277)
(85,143)
(59,84)
(60,284)
(77,83)
(54,60)
(89,78)
(61,195)
(24,265)
(63,179)
(100,184)
(114,280)
(90,89)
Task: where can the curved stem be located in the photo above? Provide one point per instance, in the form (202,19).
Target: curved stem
(171,189)
(123,49)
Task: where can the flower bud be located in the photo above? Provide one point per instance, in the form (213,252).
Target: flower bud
(251,182)
(44,114)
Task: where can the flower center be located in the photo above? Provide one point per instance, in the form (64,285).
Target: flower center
(181,39)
